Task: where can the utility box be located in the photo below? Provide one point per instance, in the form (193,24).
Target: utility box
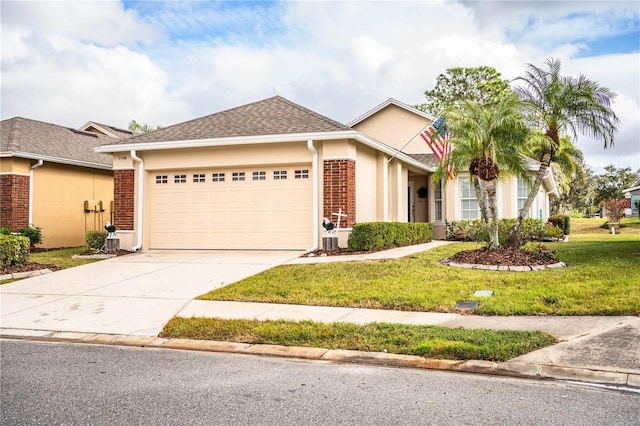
(112,244)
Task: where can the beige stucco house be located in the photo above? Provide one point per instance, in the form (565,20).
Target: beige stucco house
(399,125)
(259,176)
(51,177)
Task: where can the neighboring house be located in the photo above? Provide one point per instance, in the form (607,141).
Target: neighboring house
(51,177)
(632,198)
(399,125)
(259,176)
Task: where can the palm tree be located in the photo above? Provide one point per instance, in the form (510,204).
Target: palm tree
(486,140)
(555,104)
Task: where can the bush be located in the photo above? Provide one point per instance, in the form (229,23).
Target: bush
(475,230)
(371,236)
(14,250)
(33,233)
(96,239)
(5,231)
(553,231)
(562,222)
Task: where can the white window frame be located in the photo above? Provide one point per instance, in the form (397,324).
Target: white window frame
(469,198)
(237,176)
(217,177)
(521,184)
(438,202)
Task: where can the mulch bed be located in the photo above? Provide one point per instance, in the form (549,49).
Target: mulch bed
(28,268)
(503,256)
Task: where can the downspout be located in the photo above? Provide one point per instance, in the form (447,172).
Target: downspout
(35,166)
(316,192)
(134,157)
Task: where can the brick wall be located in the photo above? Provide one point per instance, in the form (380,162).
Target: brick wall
(14,204)
(123,199)
(339,181)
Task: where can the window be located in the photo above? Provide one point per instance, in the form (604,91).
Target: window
(279,175)
(437,201)
(237,176)
(523,193)
(217,177)
(180,179)
(259,175)
(301,174)
(161,179)
(468,203)
(199,178)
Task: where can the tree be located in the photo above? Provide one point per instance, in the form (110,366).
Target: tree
(486,139)
(135,127)
(556,104)
(611,183)
(481,85)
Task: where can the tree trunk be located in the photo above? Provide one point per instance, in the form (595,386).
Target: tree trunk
(514,239)
(481,197)
(494,240)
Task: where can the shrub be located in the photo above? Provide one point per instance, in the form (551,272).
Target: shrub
(475,230)
(553,231)
(615,209)
(5,231)
(14,250)
(544,251)
(96,239)
(562,222)
(33,233)
(371,236)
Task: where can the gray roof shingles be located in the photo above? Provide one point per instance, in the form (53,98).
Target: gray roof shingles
(34,137)
(271,116)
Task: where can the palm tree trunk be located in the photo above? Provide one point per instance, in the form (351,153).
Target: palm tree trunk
(514,239)
(494,241)
(481,197)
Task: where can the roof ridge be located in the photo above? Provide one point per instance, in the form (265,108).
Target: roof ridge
(15,134)
(309,111)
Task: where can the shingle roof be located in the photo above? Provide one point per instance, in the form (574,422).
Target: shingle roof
(22,135)
(272,116)
(101,128)
(428,159)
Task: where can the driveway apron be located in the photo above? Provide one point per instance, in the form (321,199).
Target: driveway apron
(134,295)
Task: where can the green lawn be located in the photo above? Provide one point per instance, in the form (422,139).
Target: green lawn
(427,341)
(61,257)
(602,278)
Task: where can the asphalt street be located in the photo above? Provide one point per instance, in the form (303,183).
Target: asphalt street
(56,383)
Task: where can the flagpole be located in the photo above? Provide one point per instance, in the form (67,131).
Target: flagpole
(412,138)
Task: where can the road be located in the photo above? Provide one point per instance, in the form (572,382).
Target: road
(73,384)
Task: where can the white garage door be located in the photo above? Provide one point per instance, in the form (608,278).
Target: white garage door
(240,208)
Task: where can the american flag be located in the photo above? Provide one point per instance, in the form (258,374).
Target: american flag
(437,138)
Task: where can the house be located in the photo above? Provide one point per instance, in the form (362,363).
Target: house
(399,125)
(51,177)
(258,176)
(632,201)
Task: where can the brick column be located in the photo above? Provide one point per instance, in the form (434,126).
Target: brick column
(123,199)
(14,204)
(339,182)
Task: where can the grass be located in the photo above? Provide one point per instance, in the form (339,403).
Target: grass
(601,279)
(427,341)
(61,257)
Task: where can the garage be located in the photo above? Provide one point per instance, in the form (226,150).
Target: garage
(232,208)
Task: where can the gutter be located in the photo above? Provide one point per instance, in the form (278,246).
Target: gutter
(134,157)
(58,160)
(31,169)
(316,192)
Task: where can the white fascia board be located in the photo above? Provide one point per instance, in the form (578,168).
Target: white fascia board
(393,152)
(236,140)
(59,160)
(630,189)
(385,104)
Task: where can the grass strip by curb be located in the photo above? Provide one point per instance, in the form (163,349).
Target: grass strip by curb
(427,341)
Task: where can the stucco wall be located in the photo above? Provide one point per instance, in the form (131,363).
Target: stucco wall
(59,193)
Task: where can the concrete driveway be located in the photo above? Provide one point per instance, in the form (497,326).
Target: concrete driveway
(134,295)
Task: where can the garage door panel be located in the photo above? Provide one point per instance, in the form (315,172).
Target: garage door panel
(208,214)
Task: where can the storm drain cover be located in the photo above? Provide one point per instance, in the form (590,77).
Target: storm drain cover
(483,293)
(469,304)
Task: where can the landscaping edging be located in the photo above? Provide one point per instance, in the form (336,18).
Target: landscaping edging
(27,274)
(513,268)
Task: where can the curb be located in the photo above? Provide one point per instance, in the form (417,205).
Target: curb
(508,368)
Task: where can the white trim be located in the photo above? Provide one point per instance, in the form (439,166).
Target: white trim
(97,126)
(338,158)
(260,139)
(628,190)
(59,160)
(14,174)
(385,104)
(140,195)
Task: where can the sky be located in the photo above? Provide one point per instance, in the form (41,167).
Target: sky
(162,63)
